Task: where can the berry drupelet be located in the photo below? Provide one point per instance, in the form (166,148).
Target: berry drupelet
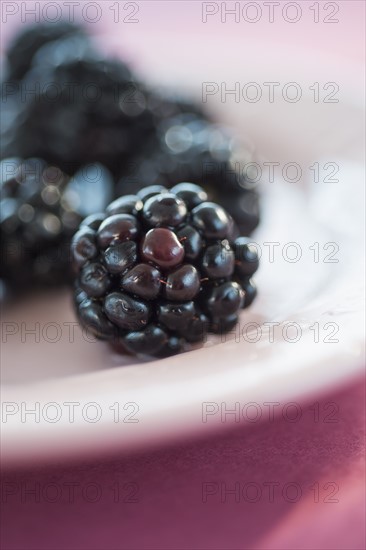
(41,208)
(160,269)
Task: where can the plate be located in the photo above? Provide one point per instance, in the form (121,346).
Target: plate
(65,396)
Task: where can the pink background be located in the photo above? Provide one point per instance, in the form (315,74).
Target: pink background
(170,513)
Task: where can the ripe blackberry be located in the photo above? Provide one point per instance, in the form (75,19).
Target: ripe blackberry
(189,147)
(71,106)
(161,269)
(74,107)
(41,207)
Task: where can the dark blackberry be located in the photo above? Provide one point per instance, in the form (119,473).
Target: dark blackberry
(189,147)
(71,106)
(164,287)
(41,207)
(85,109)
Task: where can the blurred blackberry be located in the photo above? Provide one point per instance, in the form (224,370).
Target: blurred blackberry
(74,107)
(189,147)
(24,46)
(40,209)
(160,269)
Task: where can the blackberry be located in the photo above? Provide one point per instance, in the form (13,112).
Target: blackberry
(71,106)
(41,207)
(64,102)
(189,147)
(159,270)
(83,109)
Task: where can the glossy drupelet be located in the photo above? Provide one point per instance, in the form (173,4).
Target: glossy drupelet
(160,269)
